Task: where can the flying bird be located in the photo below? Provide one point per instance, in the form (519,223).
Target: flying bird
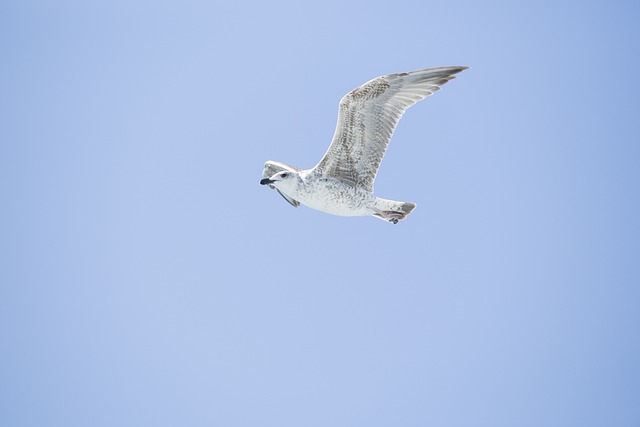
(342,182)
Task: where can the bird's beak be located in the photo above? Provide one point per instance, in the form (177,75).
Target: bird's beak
(266,181)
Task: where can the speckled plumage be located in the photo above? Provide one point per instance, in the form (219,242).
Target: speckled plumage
(342,182)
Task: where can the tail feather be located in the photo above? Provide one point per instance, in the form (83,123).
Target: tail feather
(392,211)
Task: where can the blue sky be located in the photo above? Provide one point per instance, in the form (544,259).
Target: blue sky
(146,278)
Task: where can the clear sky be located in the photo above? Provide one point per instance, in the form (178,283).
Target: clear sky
(147,279)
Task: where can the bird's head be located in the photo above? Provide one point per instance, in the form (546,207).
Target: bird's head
(285,181)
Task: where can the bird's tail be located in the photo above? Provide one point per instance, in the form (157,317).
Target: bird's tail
(391,210)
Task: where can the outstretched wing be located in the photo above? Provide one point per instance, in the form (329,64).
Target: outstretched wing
(271,168)
(367,117)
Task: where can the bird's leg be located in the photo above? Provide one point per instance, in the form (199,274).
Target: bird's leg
(390,216)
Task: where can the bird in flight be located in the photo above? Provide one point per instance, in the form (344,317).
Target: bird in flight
(342,182)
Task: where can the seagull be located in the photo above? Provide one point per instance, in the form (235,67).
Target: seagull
(342,182)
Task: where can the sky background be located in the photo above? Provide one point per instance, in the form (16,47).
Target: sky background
(147,279)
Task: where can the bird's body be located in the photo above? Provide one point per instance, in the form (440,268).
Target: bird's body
(342,182)
(333,196)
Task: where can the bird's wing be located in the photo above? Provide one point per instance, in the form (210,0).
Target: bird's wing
(271,168)
(367,117)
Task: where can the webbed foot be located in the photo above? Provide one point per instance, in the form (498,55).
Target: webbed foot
(390,216)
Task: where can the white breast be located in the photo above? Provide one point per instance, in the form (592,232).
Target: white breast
(334,197)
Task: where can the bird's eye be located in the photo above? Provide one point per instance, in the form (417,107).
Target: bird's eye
(284,175)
